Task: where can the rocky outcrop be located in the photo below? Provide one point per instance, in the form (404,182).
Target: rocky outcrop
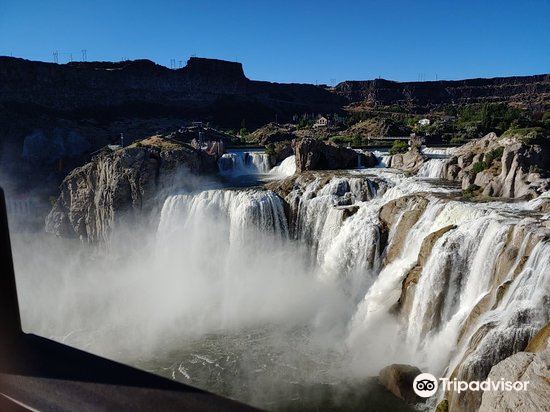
(410,161)
(398,379)
(396,219)
(343,189)
(401,215)
(541,341)
(501,167)
(272,133)
(119,184)
(312,154)
(533,368)
(411,280)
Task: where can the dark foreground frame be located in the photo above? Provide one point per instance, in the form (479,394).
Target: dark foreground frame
(39,374)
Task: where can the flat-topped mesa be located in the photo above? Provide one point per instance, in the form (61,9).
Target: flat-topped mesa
(221,70)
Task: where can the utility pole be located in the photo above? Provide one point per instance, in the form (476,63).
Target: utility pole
(84,57)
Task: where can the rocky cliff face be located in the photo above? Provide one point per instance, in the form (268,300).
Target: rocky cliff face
(312,154)
(204,88)
(528,91)
(119,186)
(500,167)
(525,367)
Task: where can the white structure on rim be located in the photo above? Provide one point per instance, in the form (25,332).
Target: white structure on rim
(424,122)
(321,122)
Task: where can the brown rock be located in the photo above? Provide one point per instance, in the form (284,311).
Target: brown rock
(398,379)
(525,367)
(312,154)
(408,162)
(541,341)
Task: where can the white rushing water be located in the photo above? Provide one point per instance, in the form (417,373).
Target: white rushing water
(238,163)
(285,169)
(433,169)
(241,291)
(438,151)
(383,158)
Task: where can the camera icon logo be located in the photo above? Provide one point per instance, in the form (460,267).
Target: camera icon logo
(425,385)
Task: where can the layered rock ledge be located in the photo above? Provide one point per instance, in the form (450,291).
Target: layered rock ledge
(120,182)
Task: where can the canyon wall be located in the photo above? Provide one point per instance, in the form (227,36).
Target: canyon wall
(526,91)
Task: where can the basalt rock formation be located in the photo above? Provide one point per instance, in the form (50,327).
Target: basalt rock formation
(527,91)
(212,88)
(312,154)
(119,185)
(410,162)
(533,368)
(501,167)
(398,379)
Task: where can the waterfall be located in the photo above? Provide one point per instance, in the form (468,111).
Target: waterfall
(244,163)
(377,266)
(456,317)
(383,158)
(433,169)
(285,169)
(443,151)
(244,211)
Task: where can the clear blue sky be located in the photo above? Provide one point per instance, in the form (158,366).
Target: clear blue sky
(293,41)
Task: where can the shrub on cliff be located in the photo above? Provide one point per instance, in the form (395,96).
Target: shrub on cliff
(399,146)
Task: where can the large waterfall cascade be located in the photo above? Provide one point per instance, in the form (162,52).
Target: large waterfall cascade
(330,276)
(337,218)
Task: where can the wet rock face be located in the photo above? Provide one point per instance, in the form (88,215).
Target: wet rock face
(116,186)
(398,217)
(522,366)
(398,379)
(408,162)
(312,154)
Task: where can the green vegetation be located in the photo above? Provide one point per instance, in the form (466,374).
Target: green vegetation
(495,154)
(354,140)
(479,167)
(458,140)
(529,135)
(488,159)
(471,191)
(399,146)
(270,149)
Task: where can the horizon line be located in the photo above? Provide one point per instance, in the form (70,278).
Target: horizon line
(320,84)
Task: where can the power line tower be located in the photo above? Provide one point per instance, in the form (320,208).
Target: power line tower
(172,63)
(56,56)
(84,55)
